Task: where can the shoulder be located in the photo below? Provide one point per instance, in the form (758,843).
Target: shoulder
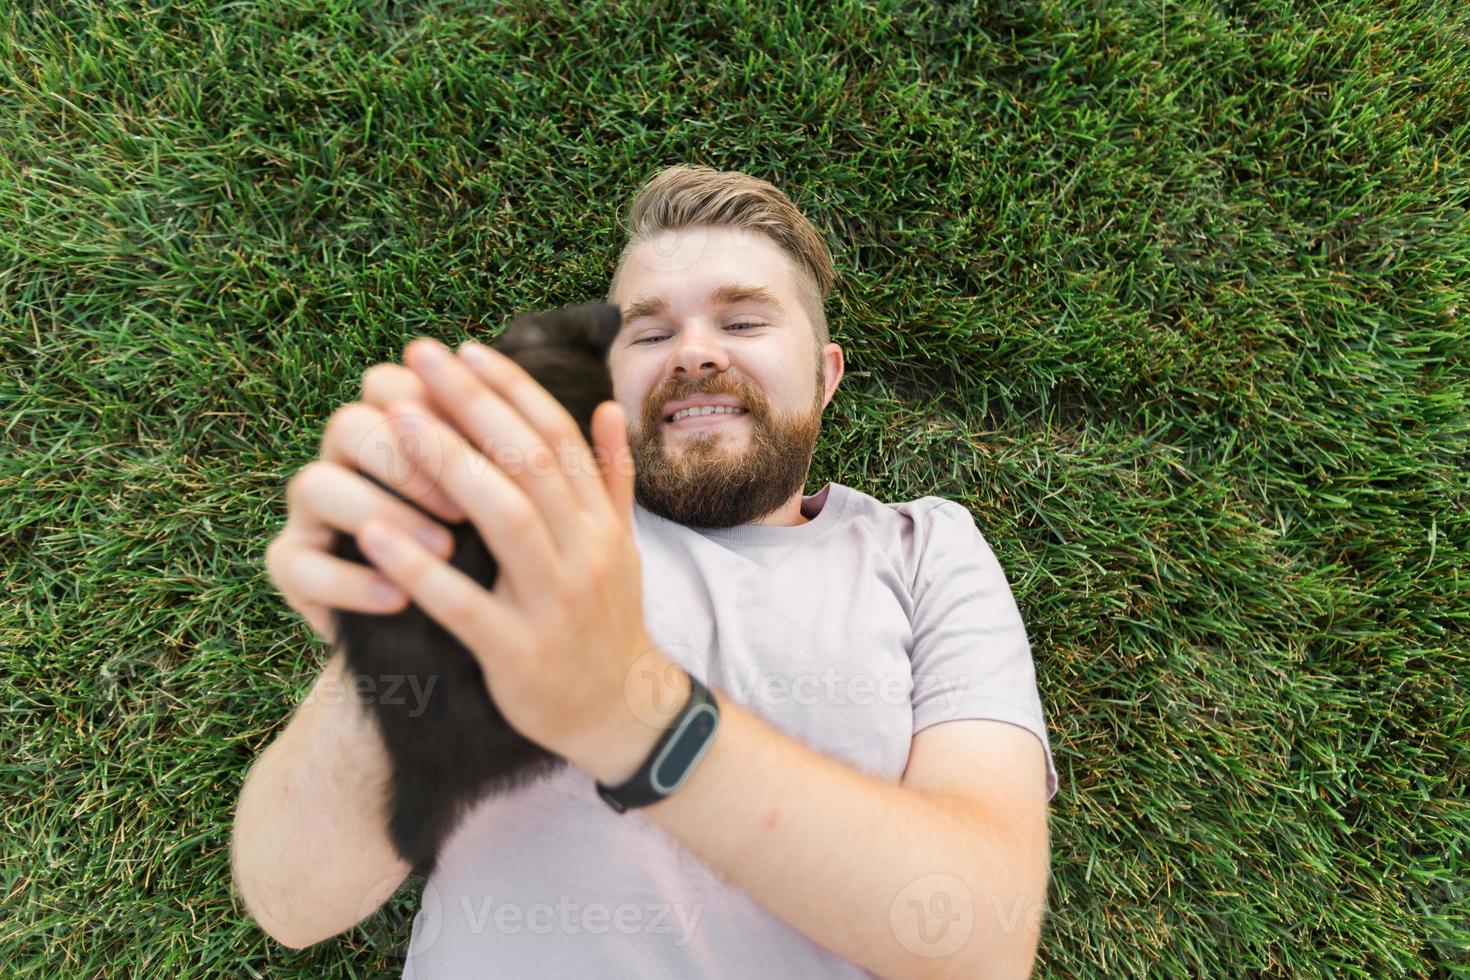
(917,516)
(935,534)
(926,513)
(926,533)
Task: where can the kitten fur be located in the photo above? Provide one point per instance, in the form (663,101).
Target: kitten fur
(449,745)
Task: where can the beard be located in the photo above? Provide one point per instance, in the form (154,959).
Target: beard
(698,479)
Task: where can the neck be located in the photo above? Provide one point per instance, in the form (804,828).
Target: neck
(787,515)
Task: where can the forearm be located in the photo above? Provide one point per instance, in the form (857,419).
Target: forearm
(310,851)
(902,883)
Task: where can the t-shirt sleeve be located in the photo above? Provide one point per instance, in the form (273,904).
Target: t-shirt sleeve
(971,657)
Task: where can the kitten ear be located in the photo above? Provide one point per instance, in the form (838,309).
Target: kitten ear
(603,320)
(526,330)
(592,326)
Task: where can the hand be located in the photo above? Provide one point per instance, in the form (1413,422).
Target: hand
(562,632)
(330,494)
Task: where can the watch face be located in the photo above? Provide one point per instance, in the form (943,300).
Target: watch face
(684,750)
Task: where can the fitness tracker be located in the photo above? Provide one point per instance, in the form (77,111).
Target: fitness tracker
(674,757)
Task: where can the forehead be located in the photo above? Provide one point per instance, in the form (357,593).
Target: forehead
(690,267)
(727,294)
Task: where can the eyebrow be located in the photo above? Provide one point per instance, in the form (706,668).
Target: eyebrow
(727,295)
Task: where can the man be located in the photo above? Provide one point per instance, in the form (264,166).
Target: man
(873,800)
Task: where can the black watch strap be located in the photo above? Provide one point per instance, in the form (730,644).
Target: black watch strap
(674,757)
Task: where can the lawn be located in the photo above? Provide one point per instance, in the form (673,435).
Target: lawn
(1174,296)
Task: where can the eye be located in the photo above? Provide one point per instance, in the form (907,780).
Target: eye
(743,323)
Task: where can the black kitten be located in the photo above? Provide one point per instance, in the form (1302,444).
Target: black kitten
(448,743)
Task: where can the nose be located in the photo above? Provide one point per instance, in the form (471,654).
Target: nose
(697,353)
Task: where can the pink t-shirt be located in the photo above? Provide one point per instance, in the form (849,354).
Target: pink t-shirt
(850,633)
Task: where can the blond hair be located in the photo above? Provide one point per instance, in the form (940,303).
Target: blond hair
(684,196)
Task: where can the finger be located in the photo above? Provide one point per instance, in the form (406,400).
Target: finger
(324,497)
(383,384)
(358,437)
(320,618)
(610,431)
(311,579)
(547,416)
(506,519)
(500,433)
(454,600)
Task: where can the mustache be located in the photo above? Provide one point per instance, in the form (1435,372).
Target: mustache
(655,406)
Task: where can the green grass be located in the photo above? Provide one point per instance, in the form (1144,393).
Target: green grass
(1175,296)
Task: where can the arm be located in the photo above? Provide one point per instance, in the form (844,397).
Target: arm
(830,850)
(310,851)
(943,876)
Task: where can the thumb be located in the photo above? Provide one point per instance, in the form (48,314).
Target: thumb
(615,456)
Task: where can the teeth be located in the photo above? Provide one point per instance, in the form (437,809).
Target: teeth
(707,410)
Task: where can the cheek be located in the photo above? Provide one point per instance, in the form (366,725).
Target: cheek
(632,391)
(627,391)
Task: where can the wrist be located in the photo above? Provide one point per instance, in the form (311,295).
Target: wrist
(652,700)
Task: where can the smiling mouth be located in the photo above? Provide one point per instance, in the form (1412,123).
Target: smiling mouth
(705,419)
